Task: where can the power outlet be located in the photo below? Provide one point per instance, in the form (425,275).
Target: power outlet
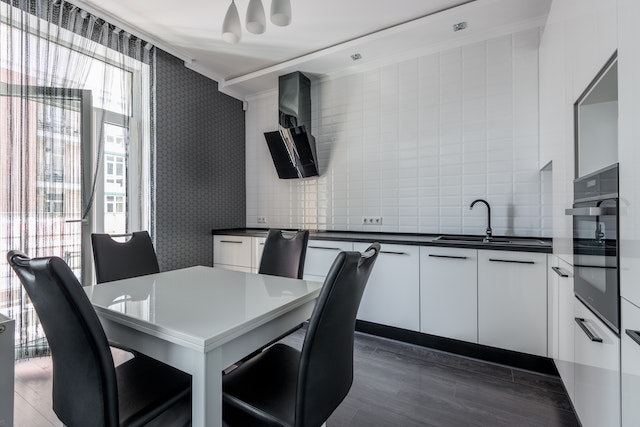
(371,220)
(262,220)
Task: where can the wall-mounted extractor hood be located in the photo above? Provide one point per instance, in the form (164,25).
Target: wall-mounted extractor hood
(292,146)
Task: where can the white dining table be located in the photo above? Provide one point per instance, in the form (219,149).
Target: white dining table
(201,320)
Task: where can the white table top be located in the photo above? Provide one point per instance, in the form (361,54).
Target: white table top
(199,307)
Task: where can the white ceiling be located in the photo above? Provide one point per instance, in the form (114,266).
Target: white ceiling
(322,35)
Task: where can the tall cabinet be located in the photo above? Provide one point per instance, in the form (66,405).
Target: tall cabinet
(629,159)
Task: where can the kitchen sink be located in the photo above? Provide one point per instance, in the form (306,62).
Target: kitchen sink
(493,240)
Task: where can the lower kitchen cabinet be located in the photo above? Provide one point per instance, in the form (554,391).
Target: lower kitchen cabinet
(449,292)
(320,257)
(512,301)
(561,320)
(489,297)
(392,295)
(630,337)
(597,370)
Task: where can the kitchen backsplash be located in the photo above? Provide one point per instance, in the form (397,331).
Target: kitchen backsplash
(413,143)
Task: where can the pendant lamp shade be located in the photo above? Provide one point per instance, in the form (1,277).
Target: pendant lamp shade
(256,21)
(231,27)
(281,12)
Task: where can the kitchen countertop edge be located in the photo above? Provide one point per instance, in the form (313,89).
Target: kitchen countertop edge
(402,239)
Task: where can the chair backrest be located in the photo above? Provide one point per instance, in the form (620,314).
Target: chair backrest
(326,363)
(122,260)
(84,379)
(284,256)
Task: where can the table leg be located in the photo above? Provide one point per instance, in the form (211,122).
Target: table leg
(207,390)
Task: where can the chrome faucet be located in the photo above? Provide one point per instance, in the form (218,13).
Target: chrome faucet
(488,231)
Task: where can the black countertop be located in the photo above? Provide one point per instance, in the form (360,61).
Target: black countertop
(501,243)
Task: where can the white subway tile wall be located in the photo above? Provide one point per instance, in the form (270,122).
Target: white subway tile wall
(414,143)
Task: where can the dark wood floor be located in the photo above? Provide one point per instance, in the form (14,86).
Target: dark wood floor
(395,385)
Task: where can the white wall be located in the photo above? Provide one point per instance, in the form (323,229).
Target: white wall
(414,142)
(578,39)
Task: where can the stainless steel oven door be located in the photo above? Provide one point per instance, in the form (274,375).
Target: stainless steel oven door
(595,257)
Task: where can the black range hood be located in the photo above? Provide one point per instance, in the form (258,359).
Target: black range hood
(292,147)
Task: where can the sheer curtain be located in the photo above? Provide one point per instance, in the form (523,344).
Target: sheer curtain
(75,141)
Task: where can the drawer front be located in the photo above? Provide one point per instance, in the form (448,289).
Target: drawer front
(232,250)
(320,257)
(630,336)
(597,370)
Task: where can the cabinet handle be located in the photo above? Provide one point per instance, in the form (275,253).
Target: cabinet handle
(323,247)
(591,211)
(511,260)
(393,253)
(635,335)
(230,241)
(3,328)
(560,272)
(448,256)
(596,266)
(581,322)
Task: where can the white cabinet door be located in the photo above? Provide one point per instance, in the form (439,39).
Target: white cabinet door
(553,322)
(512,301)
(320,257)
(392,295)
(233,252)
(449,292)
(630,364)
(258,248)
(565,357)
(597,370)
(561,320)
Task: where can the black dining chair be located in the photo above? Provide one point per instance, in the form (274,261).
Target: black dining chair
(121,260)
(115,260)
(88,390)
(285,387)
(284,255)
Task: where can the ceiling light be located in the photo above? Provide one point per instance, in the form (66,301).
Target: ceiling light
(231,28)
(459,26)
(255,17)
(281,12)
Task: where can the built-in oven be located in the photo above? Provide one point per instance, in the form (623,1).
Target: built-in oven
(595,244)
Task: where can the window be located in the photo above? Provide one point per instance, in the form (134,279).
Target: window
(54,203)
(114,204)
(114,172)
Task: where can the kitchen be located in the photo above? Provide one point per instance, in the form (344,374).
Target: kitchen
(411,142)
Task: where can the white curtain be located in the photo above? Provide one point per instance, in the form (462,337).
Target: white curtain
(75,138)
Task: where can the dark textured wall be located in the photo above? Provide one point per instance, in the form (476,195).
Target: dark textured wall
(200,164)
